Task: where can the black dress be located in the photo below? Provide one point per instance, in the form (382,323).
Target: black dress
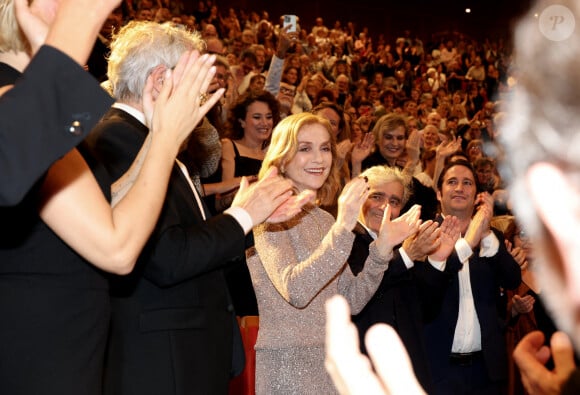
(54,304)
(237,274)
(54,307)
(245,166)
(8,74)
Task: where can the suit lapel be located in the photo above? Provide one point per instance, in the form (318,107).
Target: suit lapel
(194,202)
(362,232)
(125,116)
(177,174)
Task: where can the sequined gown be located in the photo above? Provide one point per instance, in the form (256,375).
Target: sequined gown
(295,267)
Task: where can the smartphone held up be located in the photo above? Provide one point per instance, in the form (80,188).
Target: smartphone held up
(290,20)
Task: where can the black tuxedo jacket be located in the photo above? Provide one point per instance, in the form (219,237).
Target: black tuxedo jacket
(173,328)
(487,275)
(400,301)
(47,113)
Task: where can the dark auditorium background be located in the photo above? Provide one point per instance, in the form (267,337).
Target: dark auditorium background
(489,18)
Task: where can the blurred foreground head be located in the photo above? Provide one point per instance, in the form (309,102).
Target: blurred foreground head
(541,137)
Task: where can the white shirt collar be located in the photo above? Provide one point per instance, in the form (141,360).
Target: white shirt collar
(132,111)
(373,234)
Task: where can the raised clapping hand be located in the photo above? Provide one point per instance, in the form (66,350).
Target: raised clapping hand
(351,371)
(394,232)
(69,25)
(343,148)
(522,304)
(413,146)
(449,234)
(35,20)
(360,152)
(445,150)
(518,254)
(292,206)
(178,108)
(479,227)
(363,149)
(423,242)
(531,355)
(262,198)
(351,199)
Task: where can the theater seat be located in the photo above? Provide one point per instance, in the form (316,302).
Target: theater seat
(245,383)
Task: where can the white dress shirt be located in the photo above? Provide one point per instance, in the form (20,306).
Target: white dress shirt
(240,215)
(409,263)
(467,337)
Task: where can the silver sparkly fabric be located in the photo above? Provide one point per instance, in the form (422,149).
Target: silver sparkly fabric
(295,267)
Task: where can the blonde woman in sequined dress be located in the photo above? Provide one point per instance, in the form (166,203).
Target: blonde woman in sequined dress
(297,265)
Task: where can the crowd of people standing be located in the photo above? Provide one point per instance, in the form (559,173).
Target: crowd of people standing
(364,168)
(413,105)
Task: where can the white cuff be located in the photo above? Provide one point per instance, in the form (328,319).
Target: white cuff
(408,261)
(243,218)
(489,245)
(439,265)
(463,250)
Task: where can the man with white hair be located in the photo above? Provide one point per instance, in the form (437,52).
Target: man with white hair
(173,327)
(411,278)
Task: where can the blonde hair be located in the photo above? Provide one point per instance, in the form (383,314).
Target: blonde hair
(284,146)
(387,123)
(141,46)
(11,37)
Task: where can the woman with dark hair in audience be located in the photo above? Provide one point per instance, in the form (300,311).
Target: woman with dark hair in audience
(292,75)
(252,119)
(251,122)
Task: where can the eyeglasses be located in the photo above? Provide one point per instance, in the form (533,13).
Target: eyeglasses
(287,91)
(379,198)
